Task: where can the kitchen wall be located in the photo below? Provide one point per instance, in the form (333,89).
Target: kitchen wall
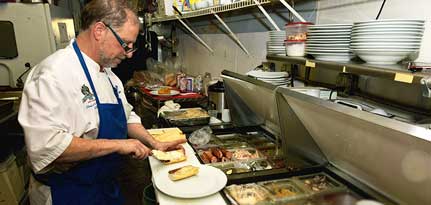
(250,26)
(252,30)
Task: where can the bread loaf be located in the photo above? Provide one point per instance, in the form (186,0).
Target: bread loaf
(183,172)
(169,157)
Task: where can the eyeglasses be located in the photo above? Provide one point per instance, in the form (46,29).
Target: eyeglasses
(121,42)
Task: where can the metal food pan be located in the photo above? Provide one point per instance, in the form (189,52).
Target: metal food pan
(247,194)
(319,183)
(179,118)
(283,190)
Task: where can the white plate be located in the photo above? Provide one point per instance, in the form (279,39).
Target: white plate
(347,31)
(323,42)
(391,21)
(328,45)
(327,50)
(265,74)
(384,44)
(328,57)
(387,33)
(357,30)
(156,87)
(386,40)
(388,26)
(326,26)
(329,38)
(385,47)
(329,29)
(173,92)
(208,181)
(333,34)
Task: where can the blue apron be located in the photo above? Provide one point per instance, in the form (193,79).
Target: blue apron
(93,181)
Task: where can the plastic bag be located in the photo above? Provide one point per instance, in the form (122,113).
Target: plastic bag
(201,136)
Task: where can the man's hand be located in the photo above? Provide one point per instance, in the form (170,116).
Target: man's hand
(133,147)
(166,146)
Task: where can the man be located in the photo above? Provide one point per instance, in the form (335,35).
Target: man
(75,116)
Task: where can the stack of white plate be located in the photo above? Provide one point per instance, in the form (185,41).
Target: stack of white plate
(275,45)
(386,41)
(275,78)
(329,42)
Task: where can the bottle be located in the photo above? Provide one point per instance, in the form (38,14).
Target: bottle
(198,84)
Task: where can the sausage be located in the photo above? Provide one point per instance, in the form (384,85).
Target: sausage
(204,159)
(217,152)
(214,159)
(208,155)
(226,153)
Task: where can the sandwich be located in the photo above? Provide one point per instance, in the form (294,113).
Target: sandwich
(169,157)
(183,172)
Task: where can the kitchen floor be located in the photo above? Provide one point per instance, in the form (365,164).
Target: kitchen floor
(134,177)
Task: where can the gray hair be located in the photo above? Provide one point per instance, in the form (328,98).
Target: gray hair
(111,12)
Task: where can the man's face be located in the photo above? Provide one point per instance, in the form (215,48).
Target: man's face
(111,53)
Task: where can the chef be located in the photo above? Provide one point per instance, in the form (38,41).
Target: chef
(75,116)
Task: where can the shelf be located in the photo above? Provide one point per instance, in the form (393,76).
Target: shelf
(390,72)
(216,9)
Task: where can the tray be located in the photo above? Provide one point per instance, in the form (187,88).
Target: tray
(187,117)
(238,167)
(340,198)
(283,190)
(249,194)
(320,183)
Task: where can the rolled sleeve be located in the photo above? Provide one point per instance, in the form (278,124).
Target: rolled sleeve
(133,118)
(43,116)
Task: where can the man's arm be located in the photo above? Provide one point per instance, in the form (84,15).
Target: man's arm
(84,149)
(137,131)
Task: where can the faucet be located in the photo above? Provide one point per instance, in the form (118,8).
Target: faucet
(19,82)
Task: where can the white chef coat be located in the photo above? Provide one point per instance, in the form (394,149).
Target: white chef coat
(55,107)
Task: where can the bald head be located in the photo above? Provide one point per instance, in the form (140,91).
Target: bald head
(111,12)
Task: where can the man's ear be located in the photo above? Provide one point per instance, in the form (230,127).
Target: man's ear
(98,31)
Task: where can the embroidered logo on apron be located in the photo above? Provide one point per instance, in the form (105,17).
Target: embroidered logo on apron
(88,98)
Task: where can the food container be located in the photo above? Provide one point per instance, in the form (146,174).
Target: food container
(297,31)
(283,190)
(215,155)
(256,139)
(187,117)
(245,154)
(270,151)
(250,194)
(341,198)
(238,167)
(295,47)
(232,140)
(232,168)
(319,183)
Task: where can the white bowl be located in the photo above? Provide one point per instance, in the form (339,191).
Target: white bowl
(382,57)
(406,35)
(390,44)
(391,22)
(387,47)
(338,57)
(386,40)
